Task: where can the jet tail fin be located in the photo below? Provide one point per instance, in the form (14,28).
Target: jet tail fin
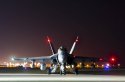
(73,46)
(51,45)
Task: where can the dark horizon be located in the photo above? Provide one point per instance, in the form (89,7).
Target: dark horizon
(24,25)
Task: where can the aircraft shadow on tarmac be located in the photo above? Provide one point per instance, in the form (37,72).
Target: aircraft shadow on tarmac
(82,71)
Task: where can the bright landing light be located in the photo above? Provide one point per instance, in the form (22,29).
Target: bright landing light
(12,59)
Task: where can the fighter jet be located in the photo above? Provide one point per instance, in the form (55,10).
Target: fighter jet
(60,59)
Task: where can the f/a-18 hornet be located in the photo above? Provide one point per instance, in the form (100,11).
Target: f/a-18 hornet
(60,59)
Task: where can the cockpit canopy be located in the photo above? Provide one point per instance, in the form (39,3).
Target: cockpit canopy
(62,48)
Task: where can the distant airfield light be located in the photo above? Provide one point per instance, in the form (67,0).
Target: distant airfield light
(38,64)
(24,64)
(108,64)
(106,67)
(87,65)
(7,64)
(97,66)
(35,63)
(17,64)
(31,65)
(72,66)
(78,65)
(10,63)
(112,59)
(67,67)
(100,59)
(4,62)
(102,66)
(119,65)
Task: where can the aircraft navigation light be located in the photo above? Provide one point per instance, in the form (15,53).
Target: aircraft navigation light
(12,59)
(48,39)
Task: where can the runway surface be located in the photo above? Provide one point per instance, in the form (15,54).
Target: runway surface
(61,78)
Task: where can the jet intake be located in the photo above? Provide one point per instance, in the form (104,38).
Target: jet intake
(54,61)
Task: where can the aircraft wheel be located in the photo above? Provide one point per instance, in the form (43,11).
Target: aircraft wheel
(76,71)
(64,72)
(49,71)
(60,72)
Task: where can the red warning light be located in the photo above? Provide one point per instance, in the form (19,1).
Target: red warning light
(113,59)
(48,40)
(100,59)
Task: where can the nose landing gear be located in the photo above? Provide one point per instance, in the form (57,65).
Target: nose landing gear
(62,69)
(76,71)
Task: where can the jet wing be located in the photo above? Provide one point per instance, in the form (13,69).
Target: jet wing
(42,58)
(86,59)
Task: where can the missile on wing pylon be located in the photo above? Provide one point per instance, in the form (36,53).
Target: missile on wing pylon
(73,46)
(51,45)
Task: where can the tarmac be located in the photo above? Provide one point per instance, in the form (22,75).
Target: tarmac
(85,75)
(60,78)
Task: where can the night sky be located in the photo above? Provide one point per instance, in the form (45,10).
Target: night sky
(24,25)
